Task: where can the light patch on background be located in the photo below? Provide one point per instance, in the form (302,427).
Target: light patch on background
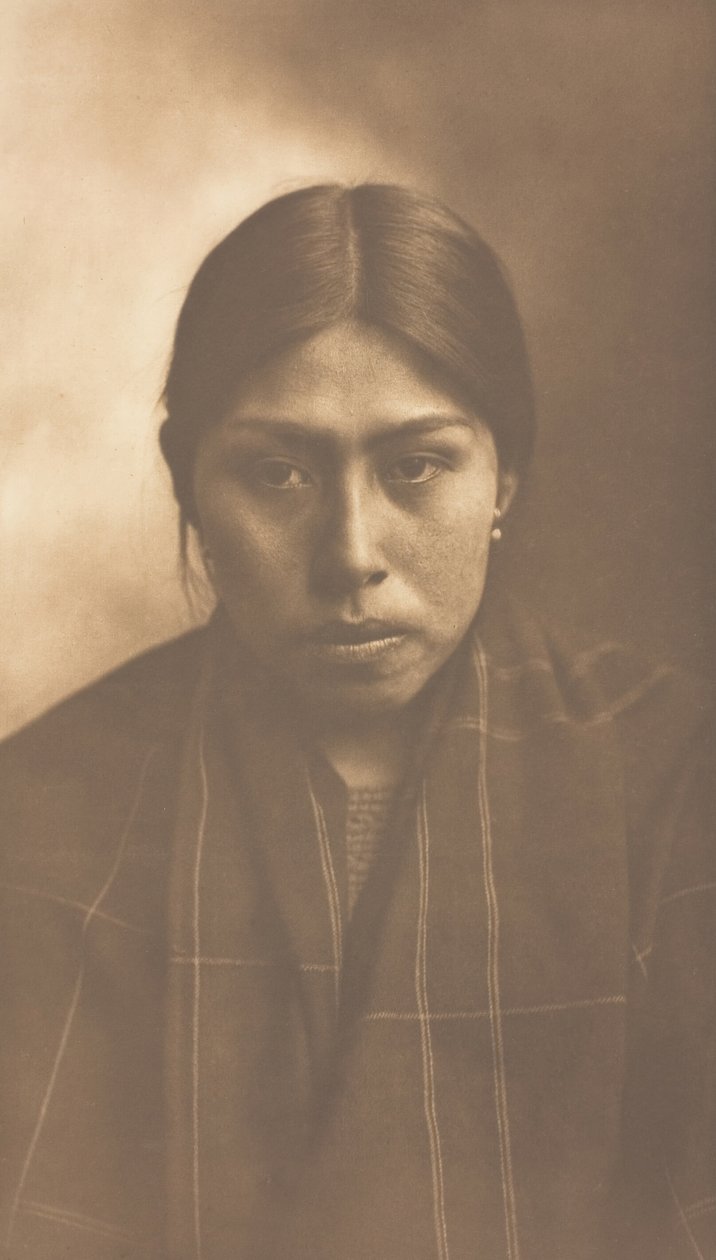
(127,172)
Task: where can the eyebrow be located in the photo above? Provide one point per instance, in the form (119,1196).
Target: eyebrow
(293,429)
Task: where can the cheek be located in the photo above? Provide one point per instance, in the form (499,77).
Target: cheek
(245,546)
(449,557)
(452,586)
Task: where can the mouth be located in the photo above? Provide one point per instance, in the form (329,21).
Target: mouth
(355,641)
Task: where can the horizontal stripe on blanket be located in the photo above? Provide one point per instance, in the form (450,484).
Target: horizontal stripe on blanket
(701,1208)
(83,908)
(688,892)
(75,1220)
(612,999)
(516,735)
(203,961)
(581,663)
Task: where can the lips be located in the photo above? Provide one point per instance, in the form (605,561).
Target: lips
(363,645)
(346,633)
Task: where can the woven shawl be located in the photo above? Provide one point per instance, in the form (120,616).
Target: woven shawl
(441,1076)
(465,1068)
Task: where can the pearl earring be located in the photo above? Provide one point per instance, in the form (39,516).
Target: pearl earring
(496,532)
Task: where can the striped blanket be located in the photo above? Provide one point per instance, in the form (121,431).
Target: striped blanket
(506,1052)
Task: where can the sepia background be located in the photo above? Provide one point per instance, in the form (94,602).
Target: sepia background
(577,136)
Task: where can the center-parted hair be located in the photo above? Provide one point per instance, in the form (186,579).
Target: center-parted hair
(376,253)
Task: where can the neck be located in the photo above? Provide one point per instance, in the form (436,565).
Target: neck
(369,754)
(369,749)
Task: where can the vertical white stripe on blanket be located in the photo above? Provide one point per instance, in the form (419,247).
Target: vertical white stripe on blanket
(196,1012)
(493,975)
(682,1215)
(77,990)
(331,885)
(421,993)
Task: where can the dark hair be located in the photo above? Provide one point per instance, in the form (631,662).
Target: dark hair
(377,253)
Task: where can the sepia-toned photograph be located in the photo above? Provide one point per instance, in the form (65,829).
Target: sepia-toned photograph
(357,537)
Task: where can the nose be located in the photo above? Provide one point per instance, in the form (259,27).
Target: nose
(348,553)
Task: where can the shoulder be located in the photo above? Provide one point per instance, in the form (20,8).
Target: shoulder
(653,719)
(144,698)
(69,777)
(656,708)
(660,722)
(661,715)
(542,668)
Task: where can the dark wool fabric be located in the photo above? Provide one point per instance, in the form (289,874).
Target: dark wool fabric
(507,1052)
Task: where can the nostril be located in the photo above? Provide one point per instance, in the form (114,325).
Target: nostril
(375,579)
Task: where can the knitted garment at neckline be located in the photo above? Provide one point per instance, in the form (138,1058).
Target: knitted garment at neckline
(367,813)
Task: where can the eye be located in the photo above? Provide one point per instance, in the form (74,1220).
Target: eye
(414,469)
(281,474)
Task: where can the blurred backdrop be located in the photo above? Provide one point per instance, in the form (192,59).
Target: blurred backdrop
(578,137)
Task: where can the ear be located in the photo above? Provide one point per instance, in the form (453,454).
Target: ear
(507,483)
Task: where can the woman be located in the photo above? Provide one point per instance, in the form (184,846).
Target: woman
(365,923)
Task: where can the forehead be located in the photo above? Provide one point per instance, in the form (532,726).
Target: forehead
(346,373)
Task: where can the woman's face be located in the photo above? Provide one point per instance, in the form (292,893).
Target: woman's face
(346,501)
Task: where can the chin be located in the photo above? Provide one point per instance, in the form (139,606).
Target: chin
(360,700)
